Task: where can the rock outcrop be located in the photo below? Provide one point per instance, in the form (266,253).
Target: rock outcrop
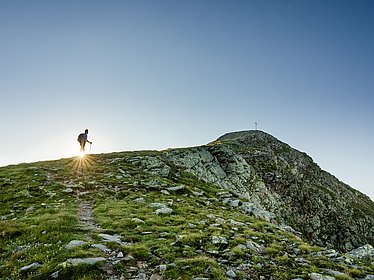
(283,184)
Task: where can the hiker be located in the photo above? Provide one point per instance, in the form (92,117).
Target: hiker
(82,139)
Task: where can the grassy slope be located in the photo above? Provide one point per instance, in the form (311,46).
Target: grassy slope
(38,218)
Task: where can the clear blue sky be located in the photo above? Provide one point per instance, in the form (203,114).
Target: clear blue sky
(162,73)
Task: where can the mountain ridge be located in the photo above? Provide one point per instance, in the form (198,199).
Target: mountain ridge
(245,206)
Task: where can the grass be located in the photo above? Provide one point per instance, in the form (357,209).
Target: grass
(38,218)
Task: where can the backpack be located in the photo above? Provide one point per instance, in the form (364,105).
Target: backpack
(80,137)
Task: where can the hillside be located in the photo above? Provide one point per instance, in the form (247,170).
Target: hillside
(246,206)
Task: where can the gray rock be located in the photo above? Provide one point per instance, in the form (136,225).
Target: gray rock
(230,273)
(141,276)
(157,205)
(165,192)
(176,189)
(162,267)
(317,276)
(30,209)
(137,221)
(220,221)
(55,275)
(368,277)
(241,247)
(197,193)
(213,252)
(30,266)
(235,223)
(234,203)
(254,246)
(101,247)
(257,210)
(338,274)
(111,238)
(120,255)
(139,200)
(74,243)
(88,261)
(365,251)
(155,277)
(164,211)
(219,240)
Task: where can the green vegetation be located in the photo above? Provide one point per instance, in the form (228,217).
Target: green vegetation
(40,213)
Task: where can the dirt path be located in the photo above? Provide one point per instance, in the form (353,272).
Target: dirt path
(85,218)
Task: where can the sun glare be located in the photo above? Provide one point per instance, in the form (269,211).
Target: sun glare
(82,162)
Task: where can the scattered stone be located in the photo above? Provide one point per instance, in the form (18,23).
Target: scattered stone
(220,221)
(338,274)
(54,275)
(290,229)
(197,193)
(165,192)
(213,252)
(121,171)
(330,253)
(139,200)
(365,251)
(230,273)
(176,189)
(219,240)
(68,190)
(101,247)
(241,247)
(157,205)
(141,276)
(137,221)
(254,246)
(30,209)
(120,255)
(368,277)
(111,238)
(30,266)
(317,276)
(224,194)
(155,277)
(162,267)
(128,258)
(88,261)
(165,211)
(21,248)
(235,223)
(210,216)
(235,203)
(74,243)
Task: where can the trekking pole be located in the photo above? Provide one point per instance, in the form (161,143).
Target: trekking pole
(90,147)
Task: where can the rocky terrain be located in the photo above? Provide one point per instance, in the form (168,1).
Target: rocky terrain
(245,206)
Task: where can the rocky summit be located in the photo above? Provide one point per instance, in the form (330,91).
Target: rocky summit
(285,185)
(245,206)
